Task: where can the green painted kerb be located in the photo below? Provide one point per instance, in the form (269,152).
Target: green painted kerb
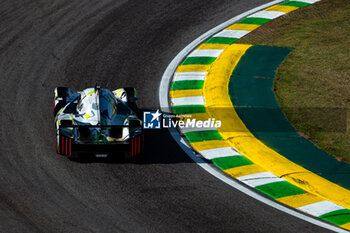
(187,85)
(294,3)
(198,60)
(228,162)
(203,136)
(251,92)
(188,109)
(338,217)
(221,40)
(252,20)
(279,189)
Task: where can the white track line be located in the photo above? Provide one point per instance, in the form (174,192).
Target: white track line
(165,107)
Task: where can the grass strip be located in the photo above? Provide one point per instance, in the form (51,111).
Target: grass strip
(316,73)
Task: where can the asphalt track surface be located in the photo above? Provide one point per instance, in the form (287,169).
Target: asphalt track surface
(44,44)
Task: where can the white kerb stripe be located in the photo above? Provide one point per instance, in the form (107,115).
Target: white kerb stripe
(307,1)
(219,152)
(267,14)
(192,100)
(320,208)
(206,53)
(257,179)
(256,175)
(232,33)
(197,129)
(181,76)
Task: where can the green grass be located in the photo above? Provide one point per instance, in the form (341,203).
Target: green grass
(313,84)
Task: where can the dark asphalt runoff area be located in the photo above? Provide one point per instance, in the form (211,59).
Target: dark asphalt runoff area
(116,43)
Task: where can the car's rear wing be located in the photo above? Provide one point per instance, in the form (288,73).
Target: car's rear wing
(101,134)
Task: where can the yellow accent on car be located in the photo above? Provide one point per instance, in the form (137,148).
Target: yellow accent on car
(90,93)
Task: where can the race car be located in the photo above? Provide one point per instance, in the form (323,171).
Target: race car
(97,121)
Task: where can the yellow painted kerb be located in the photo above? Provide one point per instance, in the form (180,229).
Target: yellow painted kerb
(185,93)
(192,68)
(244,170)
(236,134)
(245,27)
(280,8)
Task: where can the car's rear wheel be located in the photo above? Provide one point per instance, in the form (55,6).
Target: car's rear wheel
(57,145)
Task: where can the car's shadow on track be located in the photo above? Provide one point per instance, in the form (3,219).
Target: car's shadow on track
(159,148)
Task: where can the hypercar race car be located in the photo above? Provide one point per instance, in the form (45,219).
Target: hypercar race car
(97,121)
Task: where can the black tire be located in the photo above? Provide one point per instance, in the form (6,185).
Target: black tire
(59,146)
(58,143)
